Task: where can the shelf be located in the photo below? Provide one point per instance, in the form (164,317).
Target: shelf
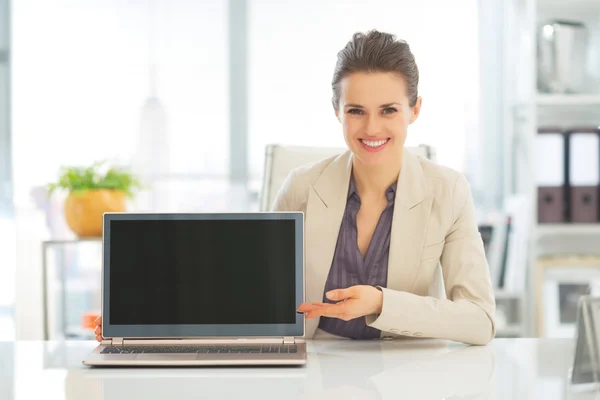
(500,294)
(509,330)
(568,100)
(577,5)
(563,262)
(568,229)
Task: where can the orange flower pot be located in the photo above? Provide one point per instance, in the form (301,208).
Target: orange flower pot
(83,210)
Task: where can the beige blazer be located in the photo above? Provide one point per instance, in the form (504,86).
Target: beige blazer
(434,222)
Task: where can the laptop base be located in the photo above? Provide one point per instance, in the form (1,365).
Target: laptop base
(98,359)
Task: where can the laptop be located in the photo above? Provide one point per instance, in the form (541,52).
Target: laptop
(202,289)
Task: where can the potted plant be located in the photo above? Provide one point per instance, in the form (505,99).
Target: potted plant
(93,191)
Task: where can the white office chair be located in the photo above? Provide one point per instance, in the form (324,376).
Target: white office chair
(281,160)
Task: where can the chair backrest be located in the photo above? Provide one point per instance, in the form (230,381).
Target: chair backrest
(281,160)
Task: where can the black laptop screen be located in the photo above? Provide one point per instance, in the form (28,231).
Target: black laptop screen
(172,272)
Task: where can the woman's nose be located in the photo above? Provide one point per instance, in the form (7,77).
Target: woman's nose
(373,126)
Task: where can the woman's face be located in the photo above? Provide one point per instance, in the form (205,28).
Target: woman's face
(375,113)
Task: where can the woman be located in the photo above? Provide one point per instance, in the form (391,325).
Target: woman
(379,220)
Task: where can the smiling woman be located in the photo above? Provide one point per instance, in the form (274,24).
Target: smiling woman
(379,220)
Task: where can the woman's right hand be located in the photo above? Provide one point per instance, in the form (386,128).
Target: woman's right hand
(98,330)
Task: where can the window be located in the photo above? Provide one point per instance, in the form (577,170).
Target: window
(293,48)
(84,90)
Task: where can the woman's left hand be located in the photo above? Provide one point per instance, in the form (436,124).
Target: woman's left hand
(353,302)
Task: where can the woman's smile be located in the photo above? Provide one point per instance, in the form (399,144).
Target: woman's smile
(374,145)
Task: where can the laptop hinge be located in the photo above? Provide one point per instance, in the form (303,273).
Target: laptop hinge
(117,341)
(289,340)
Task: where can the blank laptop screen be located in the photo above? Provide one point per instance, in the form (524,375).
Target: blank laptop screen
(167,272)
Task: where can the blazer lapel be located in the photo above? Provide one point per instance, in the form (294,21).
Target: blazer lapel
(409,225)
(324,213)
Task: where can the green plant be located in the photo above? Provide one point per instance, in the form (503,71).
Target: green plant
(80,179)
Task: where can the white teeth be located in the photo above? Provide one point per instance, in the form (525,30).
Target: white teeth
(371,143)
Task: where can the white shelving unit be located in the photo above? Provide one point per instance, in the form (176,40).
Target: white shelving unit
(544,230)
(525,109)
(502,294)
(510,314)
(580,100)
(511,330)
(580,6)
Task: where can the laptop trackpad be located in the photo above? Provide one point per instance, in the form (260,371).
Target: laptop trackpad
(166,357)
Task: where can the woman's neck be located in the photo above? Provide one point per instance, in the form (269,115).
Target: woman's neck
(375,180)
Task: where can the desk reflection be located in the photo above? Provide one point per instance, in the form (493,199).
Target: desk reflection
(336,369)
(385,370)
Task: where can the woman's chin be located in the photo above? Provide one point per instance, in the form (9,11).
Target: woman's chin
(372,159)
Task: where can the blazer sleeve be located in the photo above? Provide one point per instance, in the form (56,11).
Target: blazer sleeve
(468,314)
(285,198)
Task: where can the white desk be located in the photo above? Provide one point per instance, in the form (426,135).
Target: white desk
(400,369)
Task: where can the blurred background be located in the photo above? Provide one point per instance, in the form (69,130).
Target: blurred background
(205,101)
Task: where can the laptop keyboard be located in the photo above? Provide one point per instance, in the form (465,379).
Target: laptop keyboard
(232,349)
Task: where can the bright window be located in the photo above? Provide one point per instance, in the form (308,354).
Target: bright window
(293,47)
(82,77)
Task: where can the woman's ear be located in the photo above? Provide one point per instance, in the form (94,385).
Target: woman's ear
(416,110)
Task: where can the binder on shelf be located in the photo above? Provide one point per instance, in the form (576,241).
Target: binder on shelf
(550,175)
(583,175)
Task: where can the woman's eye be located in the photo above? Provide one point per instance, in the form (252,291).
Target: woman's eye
(389,110)
(355,111)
